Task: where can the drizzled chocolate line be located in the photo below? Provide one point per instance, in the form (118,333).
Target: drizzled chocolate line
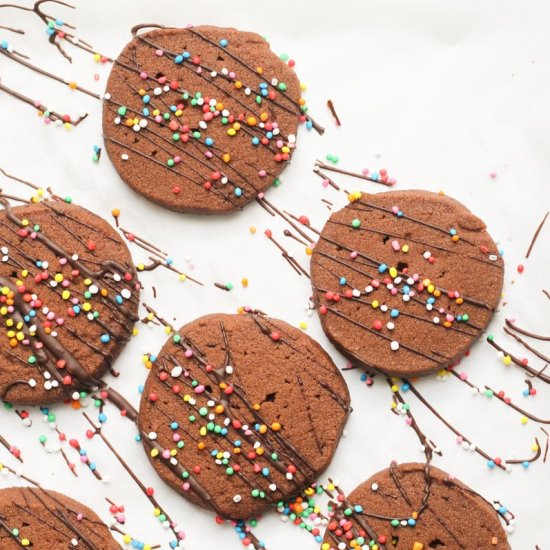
(332,110)
(10,448)
(546,293)
(287,256)
(47,74)
(536,235)
(98,431)
(330,181)
(53,115)
(288,233)
(527,346)
(432,409)
(535,373)
(512,325)
(330,168)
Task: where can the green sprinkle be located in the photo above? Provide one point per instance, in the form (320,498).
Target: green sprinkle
(282,86)
(122,110)
(176,339)
(170,162)
(356,222)
(42,439)
(68,200)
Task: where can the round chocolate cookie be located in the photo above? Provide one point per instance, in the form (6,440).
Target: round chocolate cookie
(241,411)
(415,507)
(201,119)
(69,298)
(37,518)
(405,281)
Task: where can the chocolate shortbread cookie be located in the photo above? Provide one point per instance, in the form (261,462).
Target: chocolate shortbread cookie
(405,281)
(69,297)
(41,519)
(241,411)
(415,507)
(200,119)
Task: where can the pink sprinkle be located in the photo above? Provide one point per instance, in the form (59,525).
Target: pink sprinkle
(186,486)
(62,261)
(395,209)
(176,437)
(166,454)
(199,389)
(262,173)
(208,154)
(459,439)
(493,175)
(199,70)
(159,53)
(395,245)
(463,376)
(326,182)
(96,77)
(232,74)
(79,517)
(394,291)
(392,181)
(188,353)
(60,321)
(408,421)
(50,316)
(177,160)
(365,171)
(353,255)
(37,104)
(47,120)
(143,75)
(120,518)
(261,195)
(280,143)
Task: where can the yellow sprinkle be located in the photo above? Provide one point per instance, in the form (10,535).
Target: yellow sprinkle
(244,282)
(524,420)
(303,325)
(507,360)
(231,132)
(72,85)
(405,248)
(182,277)
(418,546)
(303,87)
(226,158)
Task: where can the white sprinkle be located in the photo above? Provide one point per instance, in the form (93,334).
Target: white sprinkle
(126,294)
(176,371)
(237,499)
(394,345)
(229,369)
(32,383)
(124,156)
(157,90)
(152,435)
(390,325)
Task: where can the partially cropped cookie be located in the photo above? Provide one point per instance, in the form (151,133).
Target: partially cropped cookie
(201,119)
(405,281)
(69,297)
(415,507)
(36,518)
(241,411)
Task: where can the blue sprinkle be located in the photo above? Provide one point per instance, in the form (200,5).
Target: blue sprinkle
(174,426)
(146,98)
(209,142)
(374,175)
(363,377)
(452,232)
(49,31)
(405,387)
(137,438)
(186,55)
(83,452)
(269,135)
(96,149)
(59,22)
(265,472)
(263,85)
(342,280)
(406,289)
(92,466)
(382,268)
(400,214)
(491,464)
(102,417)
(255,141)
(264,92)
(145,111)
(105,338)
(178,59)
(169,261)
(4,45)
(502,510)
(119,299)
(76,309)
(525,464)
(38,263)
(214,452)
(411,522)
(223,42)
(152,358)
(309,125)
(224,431)
(526,392)
(431,300)
(140,388)
(358,508)
(238,191)
(237,443)
(394,313)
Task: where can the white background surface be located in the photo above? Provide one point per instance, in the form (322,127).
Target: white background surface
(444,92)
